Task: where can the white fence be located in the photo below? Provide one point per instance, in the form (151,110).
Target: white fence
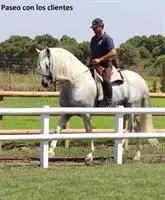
(44,137)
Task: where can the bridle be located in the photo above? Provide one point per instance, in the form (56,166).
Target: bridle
(50,77)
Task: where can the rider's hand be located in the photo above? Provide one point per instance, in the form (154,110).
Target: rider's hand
(96,61)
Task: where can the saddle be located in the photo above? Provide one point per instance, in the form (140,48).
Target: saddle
(116,75)
(116,79)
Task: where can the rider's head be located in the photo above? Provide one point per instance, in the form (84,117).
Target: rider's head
(97,26)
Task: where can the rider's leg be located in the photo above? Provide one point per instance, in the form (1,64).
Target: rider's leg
(107,84)
(92,72)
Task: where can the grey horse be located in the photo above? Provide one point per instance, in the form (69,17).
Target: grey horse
(78,89)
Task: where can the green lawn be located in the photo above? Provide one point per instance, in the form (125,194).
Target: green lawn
(129,181)
(33,122)
(28,122)
(20,122)
(133,180)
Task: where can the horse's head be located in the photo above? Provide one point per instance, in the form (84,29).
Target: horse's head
(44,67)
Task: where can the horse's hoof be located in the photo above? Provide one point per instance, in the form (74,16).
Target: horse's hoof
(88,163)
(89,159)
(51,153)
(137,157)
(38,164)
(153,141)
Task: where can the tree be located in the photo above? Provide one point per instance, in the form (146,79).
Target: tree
(18,52)
(65,40)
(83,52)
(154,41)
(159,50)
(46,41)
(160,63)
(137,41)
(144,53)
(13,53)
(127,55)
(68,43)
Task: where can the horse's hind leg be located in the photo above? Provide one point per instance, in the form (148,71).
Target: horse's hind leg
(88,128)
(128,128)
(63,120)
(136,125)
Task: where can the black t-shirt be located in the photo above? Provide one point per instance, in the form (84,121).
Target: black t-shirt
(101,46)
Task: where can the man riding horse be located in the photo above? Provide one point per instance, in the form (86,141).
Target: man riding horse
(103,54)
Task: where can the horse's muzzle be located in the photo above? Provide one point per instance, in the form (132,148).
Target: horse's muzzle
(44,84)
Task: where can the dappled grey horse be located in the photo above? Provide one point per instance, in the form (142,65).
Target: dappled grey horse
(78,89)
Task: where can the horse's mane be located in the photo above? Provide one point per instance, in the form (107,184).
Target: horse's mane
(65,66)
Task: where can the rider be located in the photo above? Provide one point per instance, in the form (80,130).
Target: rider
(102,53)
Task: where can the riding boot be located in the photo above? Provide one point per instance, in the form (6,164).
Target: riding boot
(108,93)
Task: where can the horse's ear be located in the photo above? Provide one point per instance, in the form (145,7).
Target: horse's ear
(38,51)
(48,52)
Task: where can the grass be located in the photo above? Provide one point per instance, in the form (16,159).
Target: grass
(150,154)
(153,83)
(158,121)
(33,122)
(113,182)
(133,180)
(28,122)
(10,81)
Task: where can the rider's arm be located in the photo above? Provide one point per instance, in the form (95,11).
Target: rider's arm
(91,52)
(111,54)
(109,44)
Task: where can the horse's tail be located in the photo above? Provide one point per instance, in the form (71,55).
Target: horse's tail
(146,123)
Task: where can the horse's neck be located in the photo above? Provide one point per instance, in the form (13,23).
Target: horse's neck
(69,69)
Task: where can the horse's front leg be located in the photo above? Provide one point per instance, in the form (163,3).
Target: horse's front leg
(88,128)
(63,120)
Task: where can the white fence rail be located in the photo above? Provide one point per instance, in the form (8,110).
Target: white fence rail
(44,137)
(78,110)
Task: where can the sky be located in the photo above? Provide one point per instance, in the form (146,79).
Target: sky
(122,18)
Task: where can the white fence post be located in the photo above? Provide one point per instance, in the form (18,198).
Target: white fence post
(118,148)
(44,145)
